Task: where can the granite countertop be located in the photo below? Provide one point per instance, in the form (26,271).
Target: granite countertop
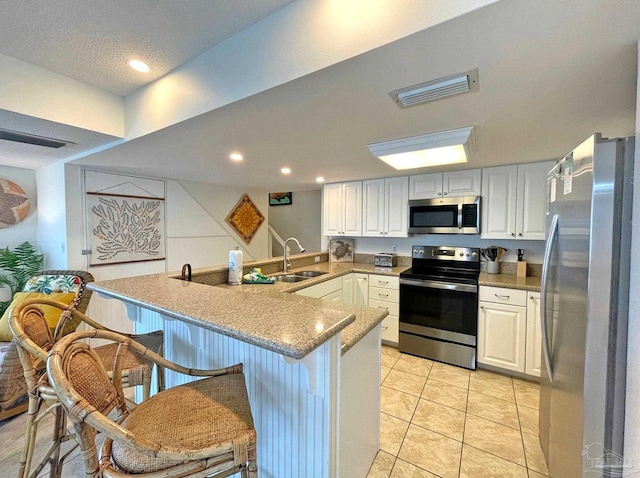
(510,281)
(268,316)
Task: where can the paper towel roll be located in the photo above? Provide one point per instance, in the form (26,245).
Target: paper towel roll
(235,266)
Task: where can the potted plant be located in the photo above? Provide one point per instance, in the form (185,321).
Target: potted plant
(18,265)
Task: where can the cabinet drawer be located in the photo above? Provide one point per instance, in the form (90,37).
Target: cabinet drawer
(501,295)
(380,293)
(386,282)
(393,308)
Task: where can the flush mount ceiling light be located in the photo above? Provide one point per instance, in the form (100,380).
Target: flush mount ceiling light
(319,179)
(434,149)
(437,89)
(285,171)
(140,66)
(236,156)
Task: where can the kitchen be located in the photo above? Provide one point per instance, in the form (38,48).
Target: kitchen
(510,144)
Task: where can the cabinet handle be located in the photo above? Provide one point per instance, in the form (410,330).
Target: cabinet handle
(519,234)
(439,194)
(446,194)
(382,295)
(385,327)
(503,297)
(513,234)
(385,308)
(383,282)
(482,307)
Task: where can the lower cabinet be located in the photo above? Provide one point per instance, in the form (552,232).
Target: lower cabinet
(384,293)
(509,329)
(331,289)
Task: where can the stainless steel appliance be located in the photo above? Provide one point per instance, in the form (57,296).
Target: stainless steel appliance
(445,216)
(584,304)
(439,304)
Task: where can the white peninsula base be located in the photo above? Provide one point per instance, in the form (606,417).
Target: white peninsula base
(316,417)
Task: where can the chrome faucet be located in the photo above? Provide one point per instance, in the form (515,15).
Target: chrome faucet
(286,264)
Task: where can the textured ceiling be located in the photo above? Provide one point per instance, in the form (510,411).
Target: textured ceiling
(551,74)
(93,40)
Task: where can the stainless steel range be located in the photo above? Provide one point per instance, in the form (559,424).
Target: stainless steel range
(439,304)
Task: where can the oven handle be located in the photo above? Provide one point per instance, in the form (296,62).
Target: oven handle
(432,284)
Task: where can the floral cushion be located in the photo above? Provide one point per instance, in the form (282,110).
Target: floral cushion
(53,283)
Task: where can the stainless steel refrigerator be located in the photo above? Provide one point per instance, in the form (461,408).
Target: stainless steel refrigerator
(584,305)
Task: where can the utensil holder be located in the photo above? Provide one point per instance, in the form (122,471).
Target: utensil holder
(493,267)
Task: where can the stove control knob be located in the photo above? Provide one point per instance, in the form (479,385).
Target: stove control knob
(467,254)
(474,254)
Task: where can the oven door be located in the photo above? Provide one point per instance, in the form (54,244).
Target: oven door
(438,309)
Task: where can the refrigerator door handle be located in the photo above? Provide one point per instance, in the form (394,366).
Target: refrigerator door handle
(543,295)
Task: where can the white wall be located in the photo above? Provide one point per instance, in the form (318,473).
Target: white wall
(632,419)
(197,232)
(302,220)
(34,91)
(300,38)
(25,230)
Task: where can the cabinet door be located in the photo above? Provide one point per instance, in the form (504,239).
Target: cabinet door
(333,296)
(332,209)
(425,186)
(396,203)
(352,208)
(361,289)
(373,207)
(532,193)
(348,288)
(462,183)
(501,335)
(499,203)
(534,340)
(391,330)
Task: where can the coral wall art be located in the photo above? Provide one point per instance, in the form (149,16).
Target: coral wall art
(14,203)
(125,229)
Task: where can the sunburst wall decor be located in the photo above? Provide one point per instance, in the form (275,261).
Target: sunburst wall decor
(245,218)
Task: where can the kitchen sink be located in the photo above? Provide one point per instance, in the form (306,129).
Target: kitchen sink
(288,278)
(309,273)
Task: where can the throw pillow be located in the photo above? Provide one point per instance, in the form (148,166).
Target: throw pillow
(51,314)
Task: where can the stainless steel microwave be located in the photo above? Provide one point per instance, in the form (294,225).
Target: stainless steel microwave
(445,216)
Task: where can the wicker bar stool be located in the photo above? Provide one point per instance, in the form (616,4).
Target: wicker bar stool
(34,341)
(202,428)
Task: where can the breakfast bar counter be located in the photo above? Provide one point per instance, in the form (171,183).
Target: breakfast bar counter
(308,362)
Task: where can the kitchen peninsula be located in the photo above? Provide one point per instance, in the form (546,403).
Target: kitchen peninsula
(312,366)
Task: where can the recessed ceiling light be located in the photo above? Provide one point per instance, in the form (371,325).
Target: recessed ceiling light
(140,66)
(236,156)
(285,171)
(319,179)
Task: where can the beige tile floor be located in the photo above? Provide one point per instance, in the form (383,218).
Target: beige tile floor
(442,421)
(436,421)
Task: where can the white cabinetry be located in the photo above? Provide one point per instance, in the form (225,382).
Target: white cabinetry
(342,209)
(385,207)
(454,184)
(331,289)
(533,360)
(384,293)
(513,201)
(502,327)
(361,289)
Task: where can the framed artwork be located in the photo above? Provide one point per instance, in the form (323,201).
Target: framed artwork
(280,199)
(341,250)
(245,218)
(125,228)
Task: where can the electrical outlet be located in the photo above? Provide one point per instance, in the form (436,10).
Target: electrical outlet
(317,258)
(395,248)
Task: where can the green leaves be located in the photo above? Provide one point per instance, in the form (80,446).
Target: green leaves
(18,265)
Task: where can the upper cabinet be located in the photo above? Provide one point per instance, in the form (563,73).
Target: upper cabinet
(384,212)
(342,209)
(513,201)
(454,184)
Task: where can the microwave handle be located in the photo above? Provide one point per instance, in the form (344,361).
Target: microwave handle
(460,216)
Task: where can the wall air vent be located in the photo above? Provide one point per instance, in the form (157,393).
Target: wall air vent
(438,89)
(18,137)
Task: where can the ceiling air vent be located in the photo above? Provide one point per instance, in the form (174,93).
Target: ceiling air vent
(18,137)
(438,89)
